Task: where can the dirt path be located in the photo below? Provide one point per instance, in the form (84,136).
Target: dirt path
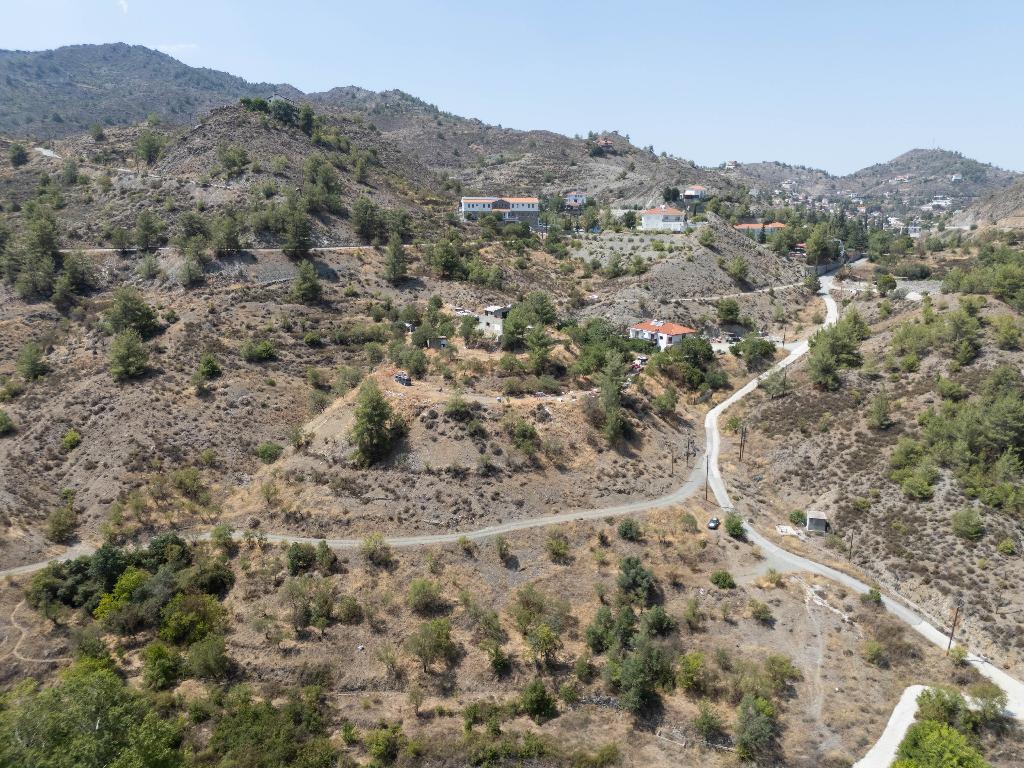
(23,632)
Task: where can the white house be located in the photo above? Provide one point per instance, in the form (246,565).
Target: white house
(696,192)
(663,217)
(492,320)
(575,199)
(507,208)
(661,333)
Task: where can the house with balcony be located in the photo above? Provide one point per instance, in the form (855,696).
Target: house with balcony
(508,209)
(664,217)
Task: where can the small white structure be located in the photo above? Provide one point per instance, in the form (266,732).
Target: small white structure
(661,333)
(696,192)
(491,321)
(817,522)
(664,217)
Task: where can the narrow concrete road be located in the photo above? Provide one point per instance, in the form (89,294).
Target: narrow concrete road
(883,752)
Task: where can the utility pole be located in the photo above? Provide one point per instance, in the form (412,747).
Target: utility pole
(673,471)
(956,615)
(852,537)
(743,440)
(707,470)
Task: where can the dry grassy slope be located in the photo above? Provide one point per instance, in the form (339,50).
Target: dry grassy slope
(682,285)
(189,174)
(813,450)
(1003,209)
(829,717)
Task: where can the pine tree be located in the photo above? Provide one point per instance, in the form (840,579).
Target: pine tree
(376,426)
(306,286)
(396,262)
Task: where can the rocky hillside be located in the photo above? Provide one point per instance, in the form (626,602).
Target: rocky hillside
(234,160)
(59,93)
(488,158)
(1002,209)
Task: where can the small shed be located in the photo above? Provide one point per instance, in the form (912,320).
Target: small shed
(817,522)
(437,342)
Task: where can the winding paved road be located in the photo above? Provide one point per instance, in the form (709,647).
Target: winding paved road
(884,751)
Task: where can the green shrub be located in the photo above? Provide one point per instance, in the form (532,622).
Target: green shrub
(557,546)
(161,665)
(6,423)
(301,558)
(258,350)
(798,517)
(188,618)
(376,550)
(734,526)
(71,440)
(723,580)
(876,653)
(208,658)
(630,530)
(424,596)
(269,452)
(537,702)
(348,610)
(967,524)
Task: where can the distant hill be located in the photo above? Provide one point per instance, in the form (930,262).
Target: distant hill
(917,175)
(57,93)
(931,172)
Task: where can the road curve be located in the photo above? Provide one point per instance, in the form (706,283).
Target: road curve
(883,752)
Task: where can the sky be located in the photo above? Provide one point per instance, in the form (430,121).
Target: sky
(827,84)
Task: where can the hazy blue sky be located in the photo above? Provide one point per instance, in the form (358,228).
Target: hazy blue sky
(836,85)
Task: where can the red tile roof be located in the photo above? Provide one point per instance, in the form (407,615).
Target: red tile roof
(659,326)
(773,225)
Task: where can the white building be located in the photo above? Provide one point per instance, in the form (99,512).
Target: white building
(508,208)
(664,217)
(575,199)
(492,320)
(696,192)
(661,333)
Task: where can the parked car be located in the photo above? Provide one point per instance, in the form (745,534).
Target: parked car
(403,378)
(713,523)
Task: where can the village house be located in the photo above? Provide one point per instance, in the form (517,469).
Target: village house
(663,334)
(664,217)
(491,322)
(753,230)
(508,209)
(575,200)
(695,193)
